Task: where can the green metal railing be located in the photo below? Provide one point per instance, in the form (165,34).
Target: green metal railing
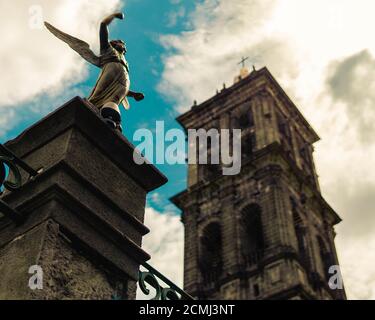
(10,166)
(169,292)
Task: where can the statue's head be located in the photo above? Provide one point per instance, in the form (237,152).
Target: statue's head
(119,45)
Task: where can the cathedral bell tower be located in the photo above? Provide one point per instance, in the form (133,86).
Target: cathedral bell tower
(267,232)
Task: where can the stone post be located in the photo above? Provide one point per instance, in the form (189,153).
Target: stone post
(84,213)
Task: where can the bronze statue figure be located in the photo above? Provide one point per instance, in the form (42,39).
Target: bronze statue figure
(113,84)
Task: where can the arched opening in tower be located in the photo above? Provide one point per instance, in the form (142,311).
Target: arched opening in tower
(210,258)
(252,239)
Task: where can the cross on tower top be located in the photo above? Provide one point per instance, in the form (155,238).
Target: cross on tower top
(244,72)
(243,61)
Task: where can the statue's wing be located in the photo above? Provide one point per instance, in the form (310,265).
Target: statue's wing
(81,47)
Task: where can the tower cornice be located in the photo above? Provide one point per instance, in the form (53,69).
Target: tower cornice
(261,81)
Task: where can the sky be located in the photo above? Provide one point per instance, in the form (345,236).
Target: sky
(321,52)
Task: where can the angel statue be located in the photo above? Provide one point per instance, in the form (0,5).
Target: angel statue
(113,84)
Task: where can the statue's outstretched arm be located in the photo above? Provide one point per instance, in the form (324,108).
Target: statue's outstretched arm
(138,96)
(104,33)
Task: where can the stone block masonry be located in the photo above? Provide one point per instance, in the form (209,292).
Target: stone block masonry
(84,212)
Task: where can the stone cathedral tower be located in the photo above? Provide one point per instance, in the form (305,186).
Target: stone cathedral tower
(266,233)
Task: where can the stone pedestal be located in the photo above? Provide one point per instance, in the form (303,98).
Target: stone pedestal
(84,211)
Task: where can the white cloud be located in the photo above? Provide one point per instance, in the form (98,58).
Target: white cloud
(33,61)
(165,244)
(315,48)
(156,198)
(175,15)
(356,255)
(6,119)
(209,52)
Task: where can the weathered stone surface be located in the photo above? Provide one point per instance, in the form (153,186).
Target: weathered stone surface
(69,273)
(85,211)
(16,257)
